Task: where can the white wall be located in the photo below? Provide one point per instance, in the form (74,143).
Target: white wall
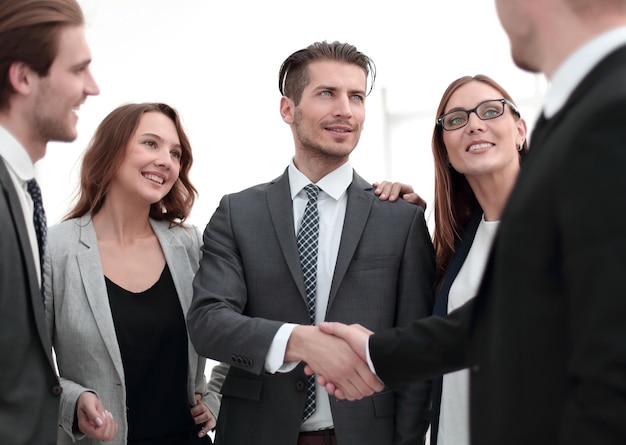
(217,61)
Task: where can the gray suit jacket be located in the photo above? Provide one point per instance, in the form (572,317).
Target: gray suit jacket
(250,283)
(29,387)
(81,325)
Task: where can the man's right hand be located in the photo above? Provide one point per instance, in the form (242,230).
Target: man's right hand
(357,337)
(333,358)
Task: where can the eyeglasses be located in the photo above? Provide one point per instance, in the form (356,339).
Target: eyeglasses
(489,109)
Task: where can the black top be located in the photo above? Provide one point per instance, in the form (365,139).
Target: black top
(152,337)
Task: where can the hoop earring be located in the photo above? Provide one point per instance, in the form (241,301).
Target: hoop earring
(521,147)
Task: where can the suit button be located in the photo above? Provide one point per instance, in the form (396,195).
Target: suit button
(57,390)
(300,385)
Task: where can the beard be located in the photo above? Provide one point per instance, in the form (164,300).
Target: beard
(525,51)
(50,121)
(524,63)
(53,129)
(313,143)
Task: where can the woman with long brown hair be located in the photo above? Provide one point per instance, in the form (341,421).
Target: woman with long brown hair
(478,143)
(118,276)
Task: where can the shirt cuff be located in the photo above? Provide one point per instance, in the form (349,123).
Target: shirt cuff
(275,360)
(369,359)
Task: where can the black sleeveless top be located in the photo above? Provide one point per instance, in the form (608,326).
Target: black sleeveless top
(152,336)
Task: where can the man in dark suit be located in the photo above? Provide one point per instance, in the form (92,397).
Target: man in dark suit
(546,336)
(374,266)
(44,78)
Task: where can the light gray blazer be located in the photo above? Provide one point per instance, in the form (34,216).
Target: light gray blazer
(81,326)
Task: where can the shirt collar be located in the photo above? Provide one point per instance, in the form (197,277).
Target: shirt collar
(334,183)
(571,72)
(15,156)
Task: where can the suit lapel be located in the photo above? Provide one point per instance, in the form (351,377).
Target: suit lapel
(463,248)
(177,259)
(92,276)
(360,199)
(595,79)
(281,212)
(24,242)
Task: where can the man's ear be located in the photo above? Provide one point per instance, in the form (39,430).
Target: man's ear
(287,108)
(21,77)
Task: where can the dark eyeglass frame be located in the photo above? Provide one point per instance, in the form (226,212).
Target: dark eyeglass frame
(503,101)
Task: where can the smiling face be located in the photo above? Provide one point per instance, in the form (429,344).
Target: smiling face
(483,147)
(328,121)
(58,95)
(152,161)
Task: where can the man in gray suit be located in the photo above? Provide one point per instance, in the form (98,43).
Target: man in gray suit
(44,78)
(257,297)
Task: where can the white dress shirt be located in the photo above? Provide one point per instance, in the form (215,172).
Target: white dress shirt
(21,169)
(331,204)
(454,410)
(571,72)
(566,78)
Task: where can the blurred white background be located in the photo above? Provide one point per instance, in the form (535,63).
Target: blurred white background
(217,62)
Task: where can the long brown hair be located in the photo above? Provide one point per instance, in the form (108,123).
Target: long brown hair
(455,201)
(106,153)
(29,33)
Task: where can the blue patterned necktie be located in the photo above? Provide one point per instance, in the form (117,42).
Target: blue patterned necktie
(307,246)
(39,219)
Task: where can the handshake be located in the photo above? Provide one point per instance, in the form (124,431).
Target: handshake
(337,354)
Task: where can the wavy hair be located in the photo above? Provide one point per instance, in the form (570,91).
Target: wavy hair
(106,153)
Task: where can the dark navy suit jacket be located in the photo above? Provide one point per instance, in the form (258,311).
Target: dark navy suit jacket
(441,308)
(544,338)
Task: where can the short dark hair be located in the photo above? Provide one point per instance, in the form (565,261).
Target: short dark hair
(29,33)
(293,76)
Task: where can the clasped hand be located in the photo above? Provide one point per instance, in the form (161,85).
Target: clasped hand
(340,360)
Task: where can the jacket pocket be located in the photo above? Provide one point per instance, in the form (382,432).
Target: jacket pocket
(242,386)
(379,262)
(384,404)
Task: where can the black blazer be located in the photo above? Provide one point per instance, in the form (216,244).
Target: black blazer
(29,387)
(440,308)
(546,335)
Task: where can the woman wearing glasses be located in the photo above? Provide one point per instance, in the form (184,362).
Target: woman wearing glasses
(478,143)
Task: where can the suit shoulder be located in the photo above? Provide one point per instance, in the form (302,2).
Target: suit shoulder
(64,228)
(398,207)
(251,192)
(63,238)
(186,234)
